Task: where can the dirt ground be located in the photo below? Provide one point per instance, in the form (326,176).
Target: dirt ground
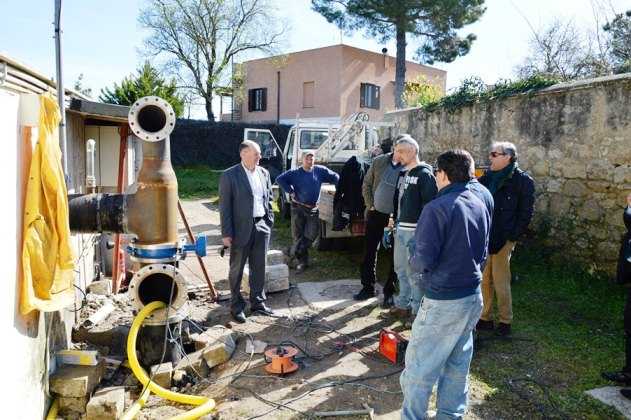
(339,366)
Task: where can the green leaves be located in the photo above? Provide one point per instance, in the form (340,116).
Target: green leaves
(147,82)
(473,90)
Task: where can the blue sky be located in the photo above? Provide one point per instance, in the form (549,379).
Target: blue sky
(103,40)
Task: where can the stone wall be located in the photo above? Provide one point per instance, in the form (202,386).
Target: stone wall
(575,141)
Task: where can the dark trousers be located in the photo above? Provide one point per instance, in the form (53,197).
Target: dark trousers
(627,332)
(375,223)
(255,253)
(305,224)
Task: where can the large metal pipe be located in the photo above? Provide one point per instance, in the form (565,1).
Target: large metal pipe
(148,209)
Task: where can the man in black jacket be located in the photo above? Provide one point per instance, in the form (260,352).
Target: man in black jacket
(514,196)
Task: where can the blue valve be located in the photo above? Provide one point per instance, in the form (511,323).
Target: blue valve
(199,247)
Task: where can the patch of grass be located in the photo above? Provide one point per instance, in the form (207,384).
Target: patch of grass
(195,182)
(567,329)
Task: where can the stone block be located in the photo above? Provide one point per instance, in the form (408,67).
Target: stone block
(541,168)
(72,405)
(194,364)
(106,404)
(76,381)
(276,278)
(213,336)
(100,287)
(622,174)
(554,185)
(591,211)
(574,188)
(219,351)
(275,256)
(162,374)
(573,169)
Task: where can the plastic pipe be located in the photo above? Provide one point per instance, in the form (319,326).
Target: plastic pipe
(52,411)
(133,411)
(206,405)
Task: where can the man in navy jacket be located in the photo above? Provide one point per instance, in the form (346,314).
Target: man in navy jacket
(451,242)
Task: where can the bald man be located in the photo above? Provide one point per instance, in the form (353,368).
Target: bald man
(245,207)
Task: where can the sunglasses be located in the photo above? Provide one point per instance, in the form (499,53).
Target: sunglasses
(496,154)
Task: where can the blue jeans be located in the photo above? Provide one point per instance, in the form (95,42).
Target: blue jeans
(409,296)
(440,349)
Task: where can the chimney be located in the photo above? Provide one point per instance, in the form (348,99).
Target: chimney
(386,62)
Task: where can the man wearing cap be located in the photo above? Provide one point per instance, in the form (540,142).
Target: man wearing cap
(303,186)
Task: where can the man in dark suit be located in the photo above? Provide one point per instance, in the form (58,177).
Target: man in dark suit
(245,194)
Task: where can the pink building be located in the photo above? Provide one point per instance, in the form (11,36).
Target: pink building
(324,83)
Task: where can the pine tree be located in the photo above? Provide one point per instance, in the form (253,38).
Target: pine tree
(433,22)
(147,82)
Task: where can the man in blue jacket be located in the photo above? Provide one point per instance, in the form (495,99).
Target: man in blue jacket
(303,186)
(451,242)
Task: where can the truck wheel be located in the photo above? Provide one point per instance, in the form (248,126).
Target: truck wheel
(283,207)
(324,244)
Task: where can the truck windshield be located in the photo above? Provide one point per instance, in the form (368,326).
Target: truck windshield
(312,139)
(265,142)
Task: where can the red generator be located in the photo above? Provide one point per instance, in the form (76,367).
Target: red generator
(392,346)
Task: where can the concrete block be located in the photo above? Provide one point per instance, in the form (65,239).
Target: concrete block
(162,374)
(106,404)
(276,278)
(219,345)
(100,287)
(76,381)
(72,405)
(213,336)
(275,257)
(194,364)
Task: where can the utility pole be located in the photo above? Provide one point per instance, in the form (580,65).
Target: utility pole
(60,89)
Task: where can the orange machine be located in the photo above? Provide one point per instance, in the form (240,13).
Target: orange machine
(281,360)
(392,346)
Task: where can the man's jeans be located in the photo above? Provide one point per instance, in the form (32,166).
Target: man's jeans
(305,225)
(409,296)
(440,348)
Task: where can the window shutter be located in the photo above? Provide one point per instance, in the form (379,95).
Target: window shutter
(251,100)
(376,97)
(263,99)
(362,95)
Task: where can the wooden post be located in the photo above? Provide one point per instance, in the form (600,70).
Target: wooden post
(120,186)
(213,292)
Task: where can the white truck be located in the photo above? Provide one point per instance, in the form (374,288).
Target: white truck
(333,144)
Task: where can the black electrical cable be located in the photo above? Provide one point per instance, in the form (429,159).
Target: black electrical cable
(84,301)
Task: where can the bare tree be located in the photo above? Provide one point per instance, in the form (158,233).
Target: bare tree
(563,50)
(200,38)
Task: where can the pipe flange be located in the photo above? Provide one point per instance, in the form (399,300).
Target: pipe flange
(151,118)
(153,282)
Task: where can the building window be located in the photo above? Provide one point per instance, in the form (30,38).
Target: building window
(369,96)
(308,89)
(257,99)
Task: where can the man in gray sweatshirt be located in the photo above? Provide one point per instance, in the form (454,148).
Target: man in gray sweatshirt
(378,192)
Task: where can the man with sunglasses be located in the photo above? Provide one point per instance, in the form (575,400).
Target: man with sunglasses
(514,196)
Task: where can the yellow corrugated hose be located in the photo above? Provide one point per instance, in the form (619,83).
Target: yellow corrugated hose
(205,405)
(52,411)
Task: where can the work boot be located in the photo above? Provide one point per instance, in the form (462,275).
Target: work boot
(503,329)
(400,313)
(364,294)
(485,325)
(620,377)
(388,302)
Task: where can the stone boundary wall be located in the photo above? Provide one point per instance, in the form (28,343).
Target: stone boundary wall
(575,141)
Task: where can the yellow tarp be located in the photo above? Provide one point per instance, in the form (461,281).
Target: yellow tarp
(47,260)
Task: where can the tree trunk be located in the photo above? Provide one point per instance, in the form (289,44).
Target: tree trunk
(399,78)
(209,108)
